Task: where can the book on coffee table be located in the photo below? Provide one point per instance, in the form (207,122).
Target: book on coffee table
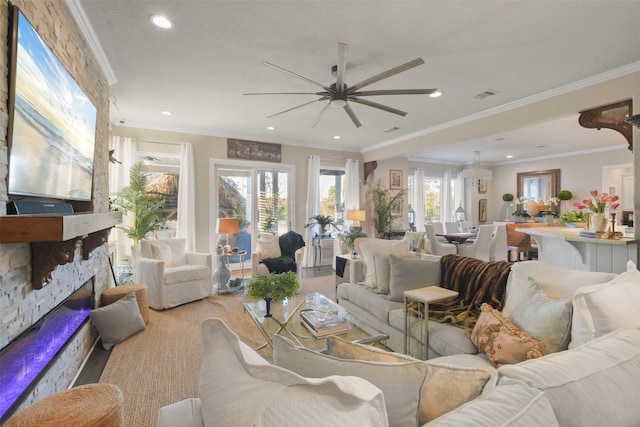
(332,325)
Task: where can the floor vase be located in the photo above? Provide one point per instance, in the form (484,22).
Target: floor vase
(268,301)
(598,222)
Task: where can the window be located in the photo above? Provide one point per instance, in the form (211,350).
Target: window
(332,194)
(431,193)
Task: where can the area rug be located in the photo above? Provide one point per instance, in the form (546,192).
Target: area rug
(160,365)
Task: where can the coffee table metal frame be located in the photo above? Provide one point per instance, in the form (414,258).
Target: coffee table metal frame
(286,318)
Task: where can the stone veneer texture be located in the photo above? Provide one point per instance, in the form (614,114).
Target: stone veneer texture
(21,305)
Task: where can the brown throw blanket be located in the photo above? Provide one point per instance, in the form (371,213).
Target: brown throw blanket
(477,282)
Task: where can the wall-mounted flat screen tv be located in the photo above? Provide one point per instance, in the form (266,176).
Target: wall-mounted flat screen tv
(52,123)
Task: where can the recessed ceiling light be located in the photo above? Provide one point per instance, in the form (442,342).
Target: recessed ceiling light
(161,21)
(435,94)
(336,137)
(509,156)
(270,128)
(166,113)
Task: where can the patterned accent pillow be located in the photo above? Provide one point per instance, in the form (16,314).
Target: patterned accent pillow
(445,387)
(268,247)
(501,340)
(544,317)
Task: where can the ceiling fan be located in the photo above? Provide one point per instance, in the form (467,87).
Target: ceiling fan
(339,94)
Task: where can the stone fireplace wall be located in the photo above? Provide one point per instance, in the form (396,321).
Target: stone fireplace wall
(21,305)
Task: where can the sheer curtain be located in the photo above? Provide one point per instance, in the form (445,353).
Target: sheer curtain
(445,198)
(458,192)
(187,197)
(125,152)
(313,205)
(352,187)
(418,198)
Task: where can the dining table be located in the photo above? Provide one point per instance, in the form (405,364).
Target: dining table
(457,237)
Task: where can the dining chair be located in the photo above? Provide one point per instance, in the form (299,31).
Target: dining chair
(452,227)
(480,248)
(438,247)
(498,249)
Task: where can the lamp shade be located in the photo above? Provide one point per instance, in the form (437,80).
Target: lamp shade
(356,215)
(228,226)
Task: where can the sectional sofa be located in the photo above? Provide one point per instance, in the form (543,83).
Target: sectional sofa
(561,349)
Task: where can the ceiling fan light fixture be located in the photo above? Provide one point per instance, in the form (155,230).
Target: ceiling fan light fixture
(338,103)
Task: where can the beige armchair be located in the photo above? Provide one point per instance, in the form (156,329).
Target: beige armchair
(173,275)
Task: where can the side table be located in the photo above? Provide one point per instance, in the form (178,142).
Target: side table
(223,259)
(423,296)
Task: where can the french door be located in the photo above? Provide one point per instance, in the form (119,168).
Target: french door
(259,194)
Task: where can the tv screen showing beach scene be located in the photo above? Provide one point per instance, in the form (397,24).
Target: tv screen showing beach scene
(52,122)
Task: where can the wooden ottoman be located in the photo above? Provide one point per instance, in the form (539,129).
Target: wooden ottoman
(112,295)
(91,405)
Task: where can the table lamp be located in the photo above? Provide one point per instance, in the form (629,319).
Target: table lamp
(225,226)
(356,216)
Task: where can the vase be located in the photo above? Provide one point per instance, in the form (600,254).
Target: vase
(598,222)
(268,301)
(533,209)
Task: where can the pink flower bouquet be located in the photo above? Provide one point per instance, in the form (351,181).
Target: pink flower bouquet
(599,203)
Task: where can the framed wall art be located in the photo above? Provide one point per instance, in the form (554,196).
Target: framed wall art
(482,210)
(395,179)
(396,209)
(252,150)
(482,186)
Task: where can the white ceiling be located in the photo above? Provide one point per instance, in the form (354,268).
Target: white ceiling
(520,49)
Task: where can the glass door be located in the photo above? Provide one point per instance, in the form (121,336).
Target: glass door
(259,195)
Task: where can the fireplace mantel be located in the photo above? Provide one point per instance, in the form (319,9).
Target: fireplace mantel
(54,238)
(54,228)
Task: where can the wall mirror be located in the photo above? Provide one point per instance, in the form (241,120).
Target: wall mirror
(538,185)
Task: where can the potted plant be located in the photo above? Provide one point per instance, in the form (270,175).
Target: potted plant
(146,207)
(507,198)
(323,221)
(384,203)
(564,196)
(273,287)
(347,240)
(573,217)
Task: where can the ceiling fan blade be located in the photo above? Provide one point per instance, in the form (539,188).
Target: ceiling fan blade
(352,115)
(296,107)
(319,116)
(395,92)
(392,72)
(342,66)
(291,73)
(289,93)
(379,106)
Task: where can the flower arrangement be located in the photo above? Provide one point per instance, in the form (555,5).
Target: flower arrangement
(599,202)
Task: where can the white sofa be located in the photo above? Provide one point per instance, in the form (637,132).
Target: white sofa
(595,384)
(379,303)
(173,275)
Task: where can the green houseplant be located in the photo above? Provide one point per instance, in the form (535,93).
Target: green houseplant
(273,287)
(146,207)
(347,239)
(384,203)
(324,221)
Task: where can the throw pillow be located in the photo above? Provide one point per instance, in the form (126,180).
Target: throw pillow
(445,387)
(501,340)
(162,252)
(545,318)
(237,387)
(268,246)
(608,307)
(117,321)
(375,254)
(407,273)
(399,382)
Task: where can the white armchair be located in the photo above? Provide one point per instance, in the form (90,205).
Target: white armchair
(173,275)
(277,254)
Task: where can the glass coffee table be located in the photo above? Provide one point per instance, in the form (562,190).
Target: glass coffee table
(286,320)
